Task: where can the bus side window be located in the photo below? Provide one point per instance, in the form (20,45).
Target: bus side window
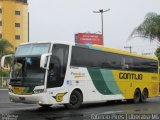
(123,63)
(54,69)
(58,64)
(127,63)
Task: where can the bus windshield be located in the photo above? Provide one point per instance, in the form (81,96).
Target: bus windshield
(26,71)
(32,49)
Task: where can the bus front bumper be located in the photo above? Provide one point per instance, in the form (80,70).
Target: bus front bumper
(41,98)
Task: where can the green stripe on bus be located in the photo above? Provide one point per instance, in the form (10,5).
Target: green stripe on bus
(82,46)
(99,81)
(110,81)
(95,48)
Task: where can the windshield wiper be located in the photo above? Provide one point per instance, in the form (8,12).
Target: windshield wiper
(14,81)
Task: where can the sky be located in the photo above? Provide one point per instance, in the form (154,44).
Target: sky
(61,19)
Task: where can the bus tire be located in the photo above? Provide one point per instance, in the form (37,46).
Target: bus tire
(137,96)
(45,106)
(75,100)
(144,95)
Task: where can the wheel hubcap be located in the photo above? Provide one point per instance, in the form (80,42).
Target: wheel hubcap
(74,99)
(137,96)
(144,95)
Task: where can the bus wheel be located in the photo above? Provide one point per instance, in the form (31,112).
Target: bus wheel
(144,95)
(137,96)
(75,100)
(45,106)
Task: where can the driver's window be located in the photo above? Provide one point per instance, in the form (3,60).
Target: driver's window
(58,64)
(18,69)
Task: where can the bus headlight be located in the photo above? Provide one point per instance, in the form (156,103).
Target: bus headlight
(38,91)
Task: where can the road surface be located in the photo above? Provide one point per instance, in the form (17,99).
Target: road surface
(14,111)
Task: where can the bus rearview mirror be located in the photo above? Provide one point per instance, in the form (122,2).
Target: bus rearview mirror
(3,60)
(43,61)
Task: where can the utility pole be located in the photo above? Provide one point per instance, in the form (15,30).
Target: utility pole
(128,47)
(101,11)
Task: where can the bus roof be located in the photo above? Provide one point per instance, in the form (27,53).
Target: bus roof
(113,50)
(97,47)
(53,41)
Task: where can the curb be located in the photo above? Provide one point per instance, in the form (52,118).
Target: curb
(3,89)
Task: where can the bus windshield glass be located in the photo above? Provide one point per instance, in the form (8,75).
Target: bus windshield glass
(26,71)
(32,49)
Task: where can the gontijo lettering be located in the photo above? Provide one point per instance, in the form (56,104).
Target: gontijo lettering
(131,76)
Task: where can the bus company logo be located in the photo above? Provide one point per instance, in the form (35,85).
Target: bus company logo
(59,96)
(17,90)
(130,76)
(78,75)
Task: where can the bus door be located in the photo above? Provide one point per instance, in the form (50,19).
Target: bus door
(58,65)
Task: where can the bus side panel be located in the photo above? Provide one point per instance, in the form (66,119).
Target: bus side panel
(78,77)
(128,81)
(105,84)
(96,84)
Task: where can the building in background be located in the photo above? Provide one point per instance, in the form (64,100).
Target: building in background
(14,21)
(88,38)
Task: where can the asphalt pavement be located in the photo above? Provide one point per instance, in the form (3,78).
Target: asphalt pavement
(118,110)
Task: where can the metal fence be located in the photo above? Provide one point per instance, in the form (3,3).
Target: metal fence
(4,82)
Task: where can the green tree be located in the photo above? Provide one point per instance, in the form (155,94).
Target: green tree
(149,28)
(157,53)
(5,48)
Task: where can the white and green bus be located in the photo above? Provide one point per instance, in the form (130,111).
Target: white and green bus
(50,73)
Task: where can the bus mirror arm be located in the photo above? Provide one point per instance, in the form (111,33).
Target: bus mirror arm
(3,60)
(43,61)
